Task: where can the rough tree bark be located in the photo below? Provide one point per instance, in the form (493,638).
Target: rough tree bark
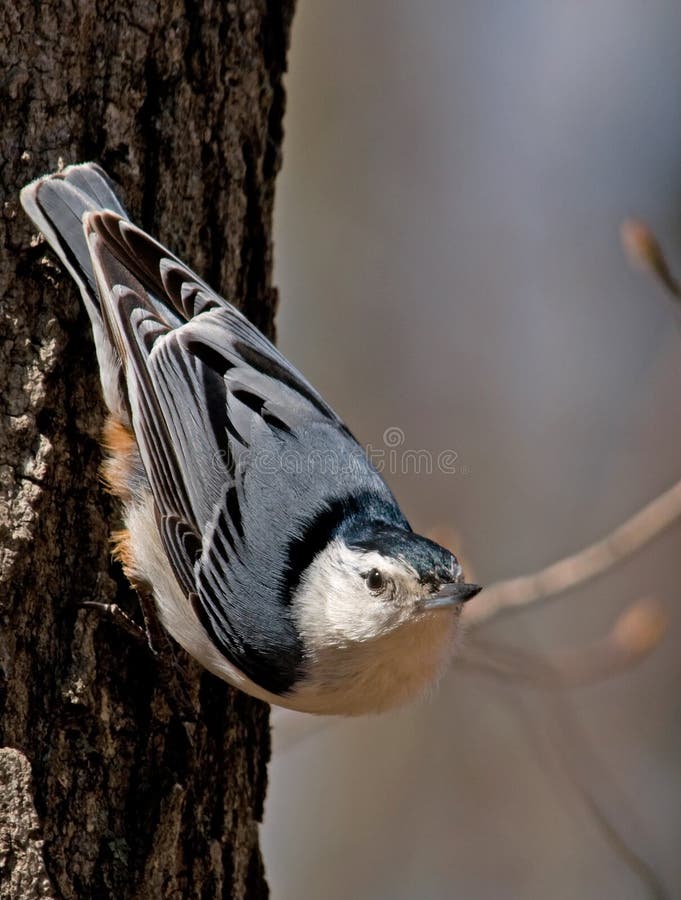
(120,778)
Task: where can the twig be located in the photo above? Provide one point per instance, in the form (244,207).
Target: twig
(635,634)
(572,750)
(644,251)
(574,570)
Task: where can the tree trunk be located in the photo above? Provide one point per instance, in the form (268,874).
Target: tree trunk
(122,776)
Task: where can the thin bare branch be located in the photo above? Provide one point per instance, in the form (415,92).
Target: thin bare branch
(581,567)
(573,752)
(645,252)
(635,634)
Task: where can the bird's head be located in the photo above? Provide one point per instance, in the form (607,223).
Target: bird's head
(377,610)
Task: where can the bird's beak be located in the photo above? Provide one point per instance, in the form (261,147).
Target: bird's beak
(450,595)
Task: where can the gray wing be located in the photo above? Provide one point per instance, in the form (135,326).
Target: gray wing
(250,469)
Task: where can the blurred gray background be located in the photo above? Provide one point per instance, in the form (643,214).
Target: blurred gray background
(447,252)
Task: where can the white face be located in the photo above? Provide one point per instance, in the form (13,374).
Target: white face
(370,645)
(341,600)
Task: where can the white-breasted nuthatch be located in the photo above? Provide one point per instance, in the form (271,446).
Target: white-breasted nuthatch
(274,551)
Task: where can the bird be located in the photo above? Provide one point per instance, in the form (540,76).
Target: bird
(275,553)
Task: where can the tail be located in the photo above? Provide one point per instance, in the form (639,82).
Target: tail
(85,224)
(57,205)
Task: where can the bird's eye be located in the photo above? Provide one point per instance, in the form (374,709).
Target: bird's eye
(374,580)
